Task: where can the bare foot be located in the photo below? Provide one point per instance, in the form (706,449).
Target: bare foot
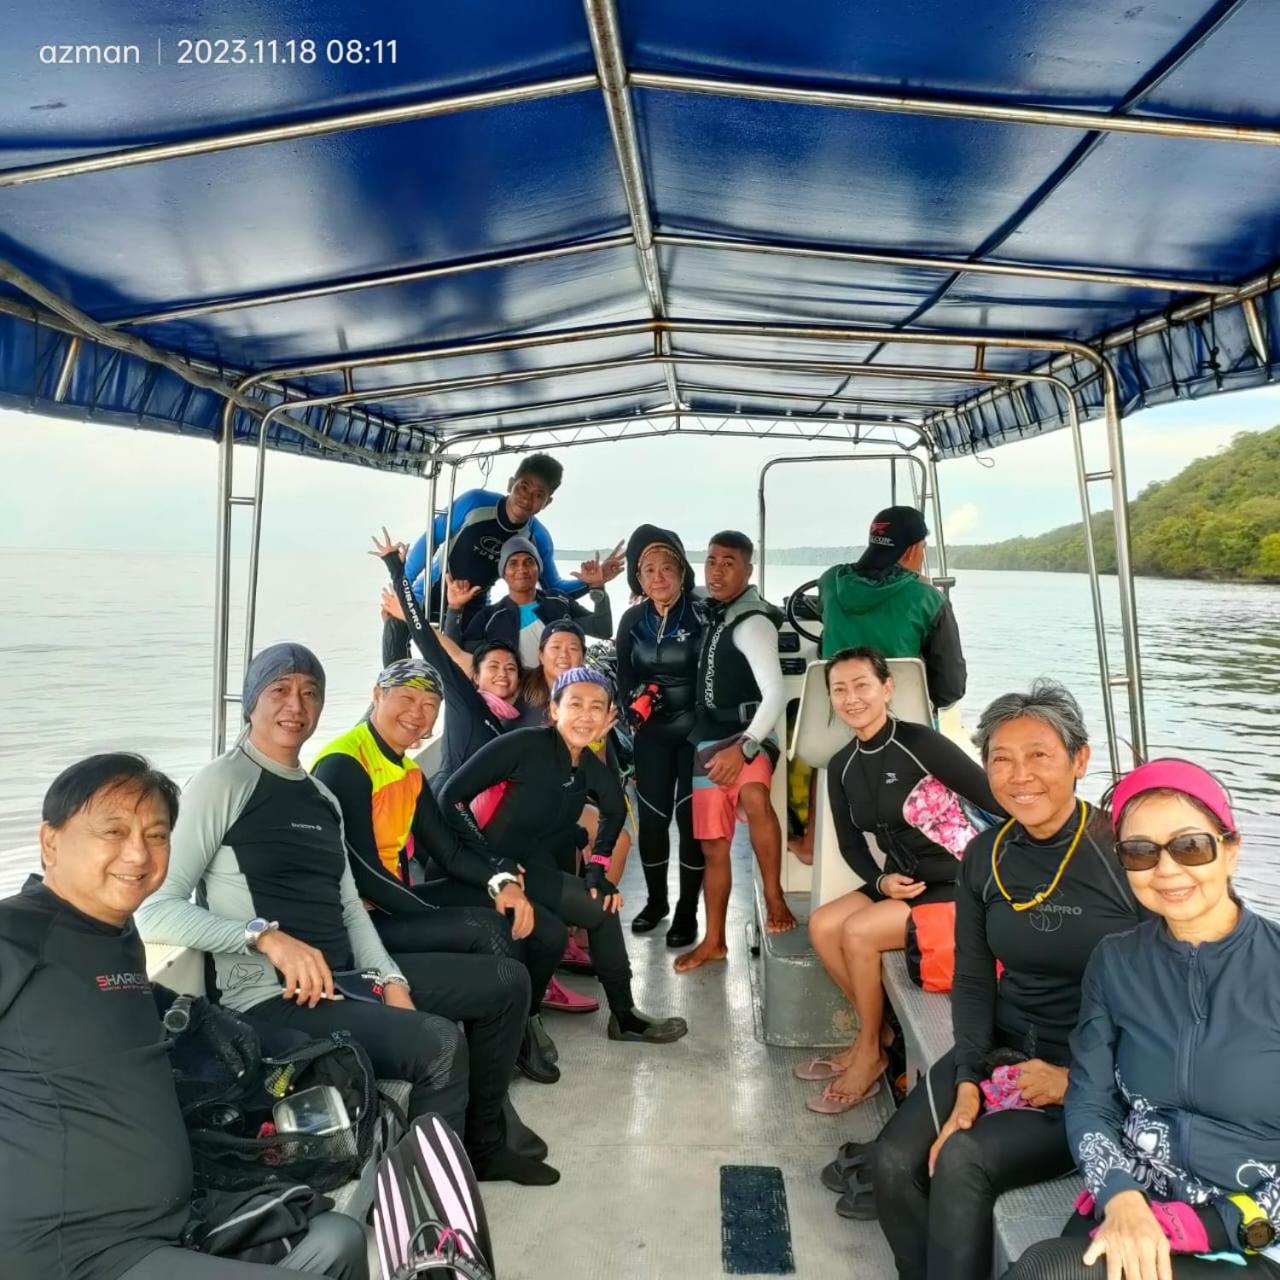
(857,1077)
(802,847)
(780,919)
(704,953)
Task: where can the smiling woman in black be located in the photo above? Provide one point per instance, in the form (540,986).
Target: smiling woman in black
(1035,896)
(547,776)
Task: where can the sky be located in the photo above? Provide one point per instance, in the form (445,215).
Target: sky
(88,486)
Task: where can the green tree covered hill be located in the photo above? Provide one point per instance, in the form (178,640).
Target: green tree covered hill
(1218,518)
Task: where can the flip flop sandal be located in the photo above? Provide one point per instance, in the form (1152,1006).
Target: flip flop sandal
(827,1103)
(816,1070)
(853,1160)
(858,1203)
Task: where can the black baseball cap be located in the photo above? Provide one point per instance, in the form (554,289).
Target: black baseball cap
(893,532)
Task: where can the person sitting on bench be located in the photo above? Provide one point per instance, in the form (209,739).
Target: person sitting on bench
(1034,897)
(901,782)
(94,1157)
(262,844)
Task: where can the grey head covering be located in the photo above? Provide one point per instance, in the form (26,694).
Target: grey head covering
(285,659)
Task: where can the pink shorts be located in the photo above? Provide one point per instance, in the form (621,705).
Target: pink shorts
(715,808)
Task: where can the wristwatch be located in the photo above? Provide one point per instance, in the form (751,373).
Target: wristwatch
(1256,1230)
(750,748)
(254,930)
(177,1017)
(499,882)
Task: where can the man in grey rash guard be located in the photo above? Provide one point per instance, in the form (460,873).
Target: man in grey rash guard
(261,844)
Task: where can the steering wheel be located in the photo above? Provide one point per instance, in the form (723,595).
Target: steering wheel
(792,599)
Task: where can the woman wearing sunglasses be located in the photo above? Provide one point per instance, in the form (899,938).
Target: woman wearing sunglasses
(1173,1110)
(1034,898)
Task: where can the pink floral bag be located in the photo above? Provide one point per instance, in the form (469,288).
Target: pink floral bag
(935,811)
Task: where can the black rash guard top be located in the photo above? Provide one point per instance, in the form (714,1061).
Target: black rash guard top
(94,1161)
(538,814)
(468,722)
(662,651)
(868,784)
(443,842)
(1035,1004)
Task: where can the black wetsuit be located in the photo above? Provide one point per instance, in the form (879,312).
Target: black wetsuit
(536,824)
(468,722)
(95,1166)
(502,621)
(867,786)
(433,915)
(664,651)
(942,1225)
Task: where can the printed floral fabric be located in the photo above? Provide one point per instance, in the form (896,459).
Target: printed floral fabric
(936,812)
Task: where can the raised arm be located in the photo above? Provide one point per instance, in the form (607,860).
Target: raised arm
(551,577)
(598,620)
(757,641)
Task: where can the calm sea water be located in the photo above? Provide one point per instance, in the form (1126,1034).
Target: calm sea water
(106,651)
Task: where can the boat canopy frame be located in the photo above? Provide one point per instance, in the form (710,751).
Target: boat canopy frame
(602,97)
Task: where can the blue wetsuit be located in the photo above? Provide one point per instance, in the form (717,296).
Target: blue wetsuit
(478,526)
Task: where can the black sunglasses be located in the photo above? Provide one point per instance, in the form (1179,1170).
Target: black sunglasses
(1195,849)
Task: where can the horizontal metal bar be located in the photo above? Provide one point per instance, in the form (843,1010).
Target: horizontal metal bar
(568,403)
(242,500)
(741,393)
(1091,476)
(967,266)
(317,127)
(1119,682)
(411,275)
(957,108)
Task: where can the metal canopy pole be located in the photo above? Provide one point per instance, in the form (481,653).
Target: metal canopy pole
(957,109)
(411,275)
(606,44)
(317,127)
(222,580)
(889,258)
(433,478)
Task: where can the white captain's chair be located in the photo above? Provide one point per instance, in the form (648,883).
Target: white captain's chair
(817,736)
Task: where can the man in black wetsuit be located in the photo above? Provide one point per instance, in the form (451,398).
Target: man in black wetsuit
(94,1160)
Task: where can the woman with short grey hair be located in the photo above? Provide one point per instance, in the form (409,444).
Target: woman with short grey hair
(1034,897)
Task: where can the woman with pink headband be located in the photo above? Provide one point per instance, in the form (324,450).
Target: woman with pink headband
(1173,1107)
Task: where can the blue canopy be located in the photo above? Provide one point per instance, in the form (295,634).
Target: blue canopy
(573,219)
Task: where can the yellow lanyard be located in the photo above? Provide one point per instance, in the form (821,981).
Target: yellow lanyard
(1062,866)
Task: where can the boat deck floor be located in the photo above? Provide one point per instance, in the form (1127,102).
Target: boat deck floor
(641,1133)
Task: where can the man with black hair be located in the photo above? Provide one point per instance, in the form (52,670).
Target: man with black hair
(94,1157)
(881,602)
(477,525)
(739,700)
